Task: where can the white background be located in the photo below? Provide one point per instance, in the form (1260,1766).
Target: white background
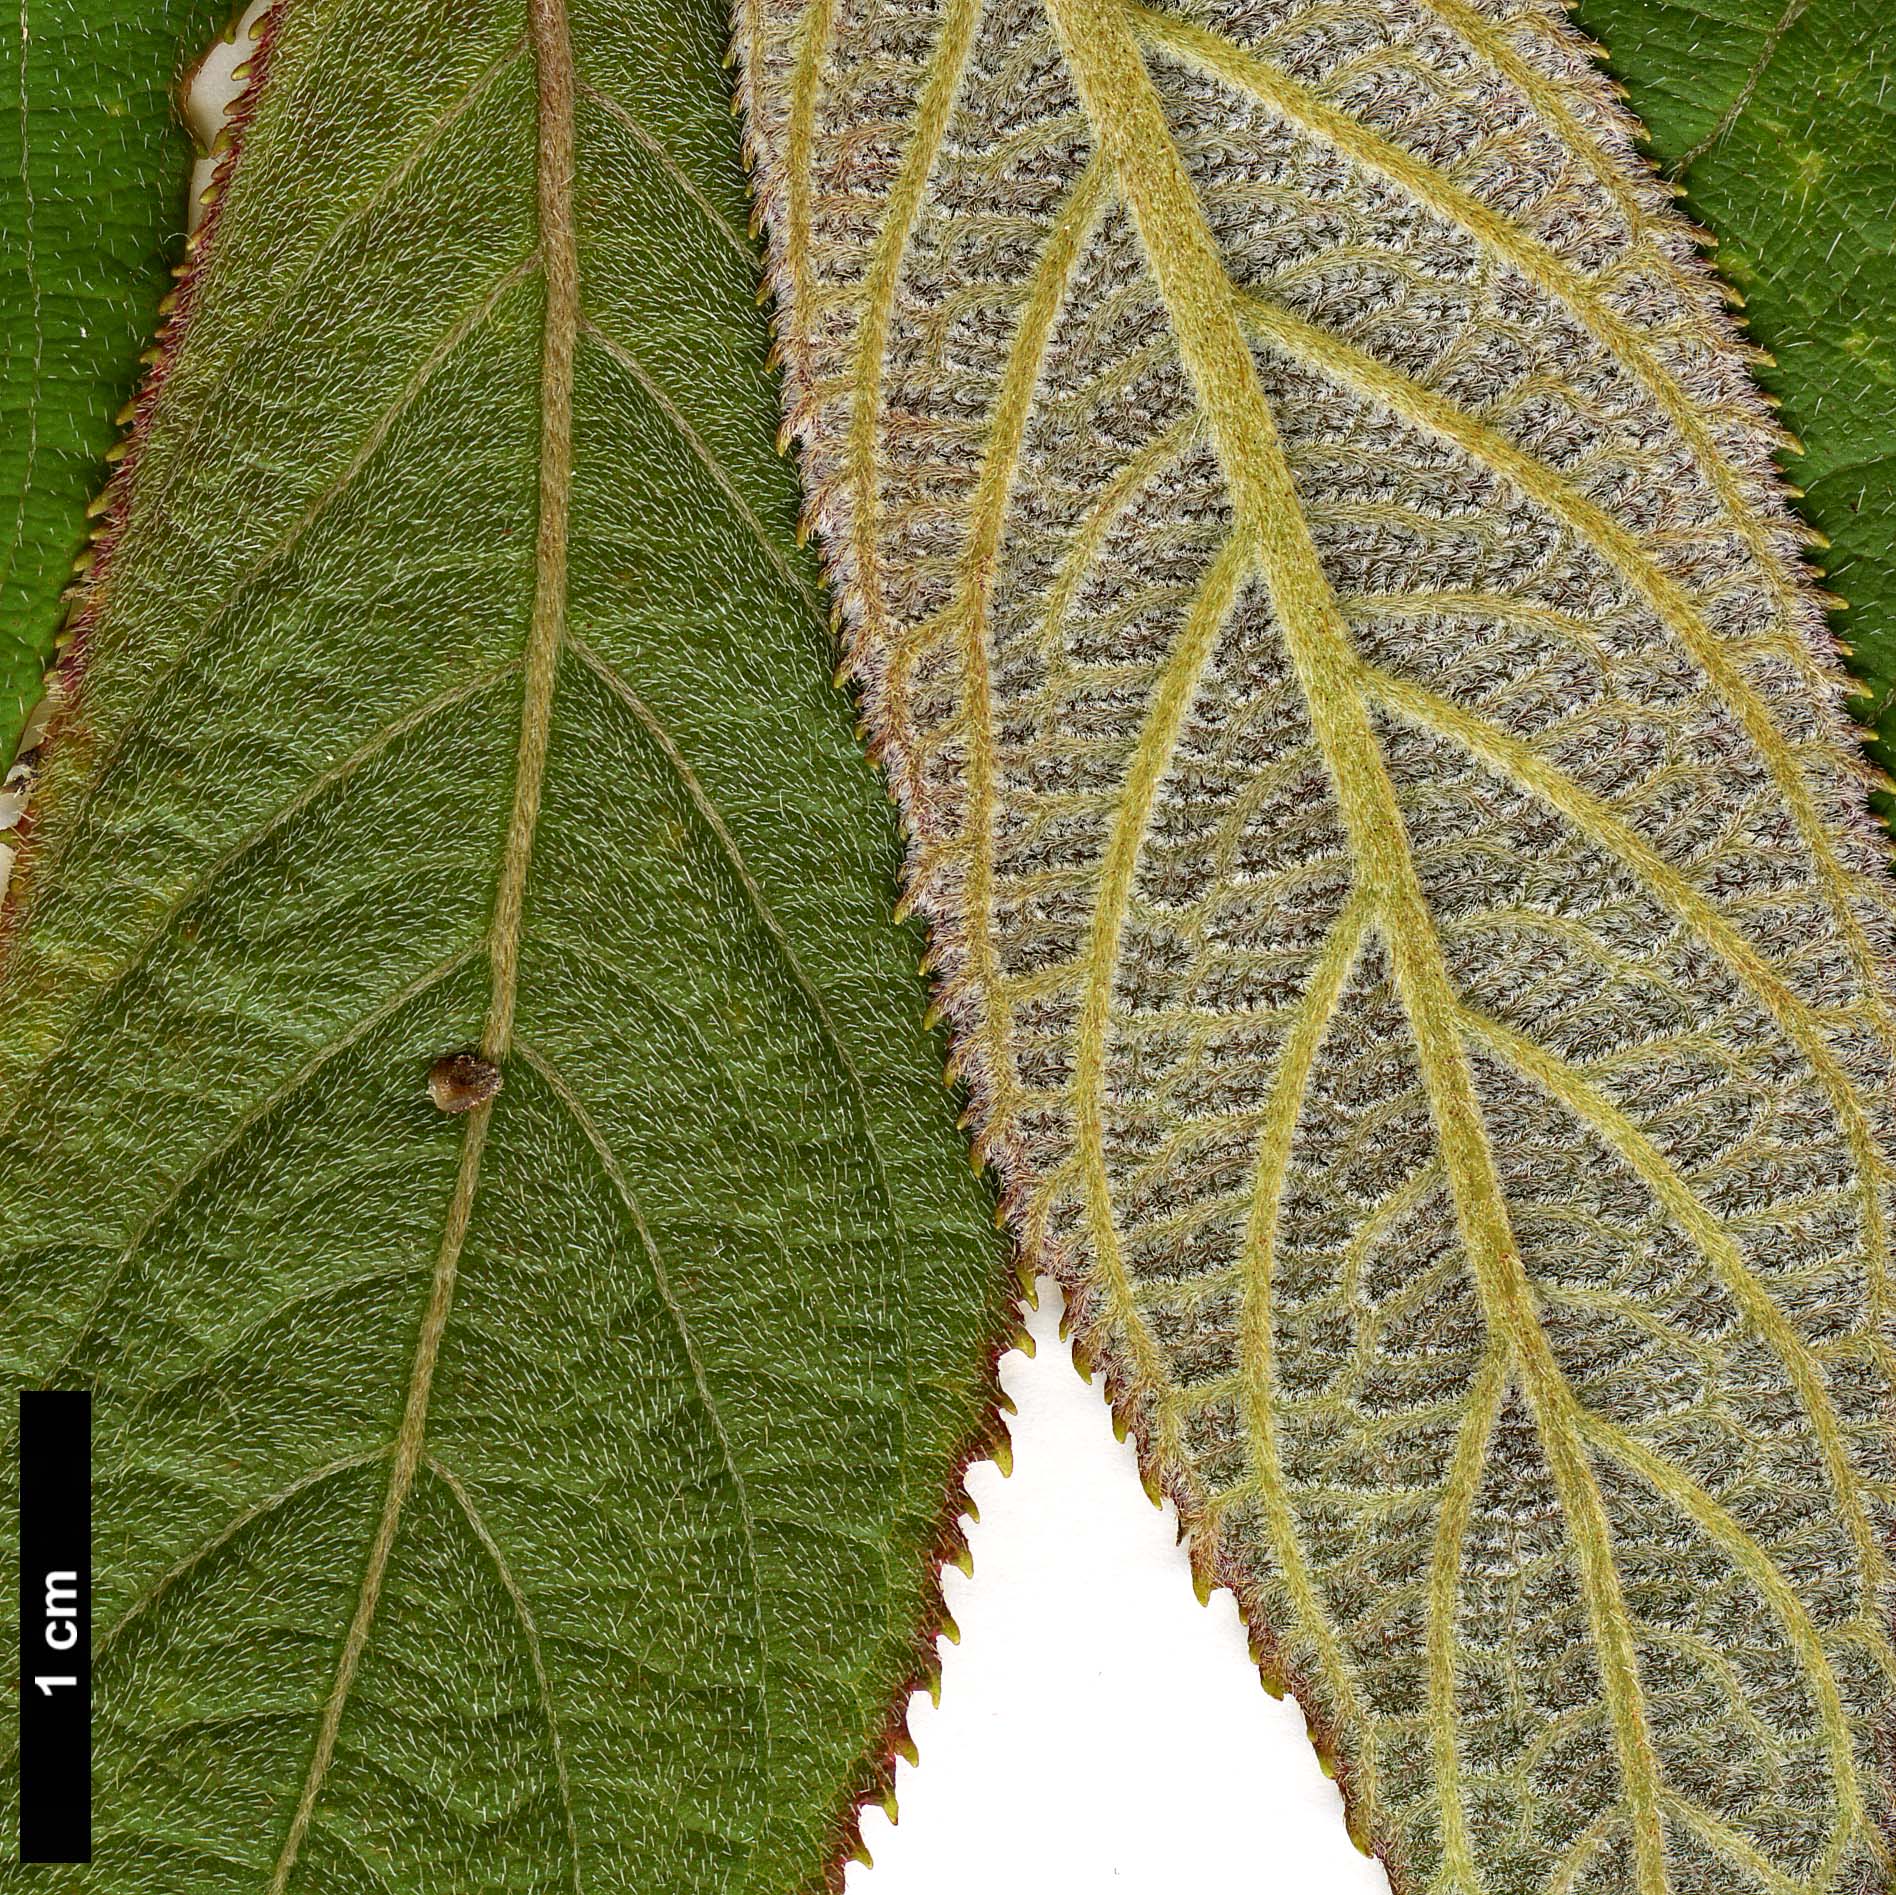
(1099,1729)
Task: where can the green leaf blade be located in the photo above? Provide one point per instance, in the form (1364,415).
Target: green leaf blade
(616,1572)
(1778,122)
(90,206)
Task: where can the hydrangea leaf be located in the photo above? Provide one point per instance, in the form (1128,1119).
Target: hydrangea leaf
(548,1494)
(91,198)
(1378,779)
(1777,118)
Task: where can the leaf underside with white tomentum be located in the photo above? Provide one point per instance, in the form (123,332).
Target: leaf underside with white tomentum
(465,1109)
(1377,779)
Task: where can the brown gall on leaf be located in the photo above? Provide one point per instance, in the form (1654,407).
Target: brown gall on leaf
(458,1082)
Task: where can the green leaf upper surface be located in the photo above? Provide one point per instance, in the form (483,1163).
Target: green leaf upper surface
(91,195)
(549,1497)
(1779,118)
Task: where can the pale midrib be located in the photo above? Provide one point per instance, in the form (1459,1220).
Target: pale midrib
(559,254)
(1123,105)
(1421,407)
(1563,1081)
(1629,349)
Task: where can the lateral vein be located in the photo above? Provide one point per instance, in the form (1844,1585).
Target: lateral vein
(1290,1089)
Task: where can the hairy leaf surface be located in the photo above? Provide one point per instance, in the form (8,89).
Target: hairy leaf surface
(546,1496)
(91,194)
(1778,119)
(1377,776)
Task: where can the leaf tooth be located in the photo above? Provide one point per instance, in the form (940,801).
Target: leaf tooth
(1203,1557)
(1002,1455)
(1356,1825)
(1270,1678)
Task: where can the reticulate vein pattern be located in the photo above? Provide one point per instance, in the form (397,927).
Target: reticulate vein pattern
(1399,875)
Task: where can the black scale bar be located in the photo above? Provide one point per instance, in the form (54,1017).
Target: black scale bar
(55,1625)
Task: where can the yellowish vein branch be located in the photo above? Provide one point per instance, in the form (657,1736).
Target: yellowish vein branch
(1727,1533)
(1406,397)
(1451,1533)
(1013,403)
(1157,742)
(934,103)
(1563,1081)
(816,25)
(1257,1262)
(1521,764)
(1629,347)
